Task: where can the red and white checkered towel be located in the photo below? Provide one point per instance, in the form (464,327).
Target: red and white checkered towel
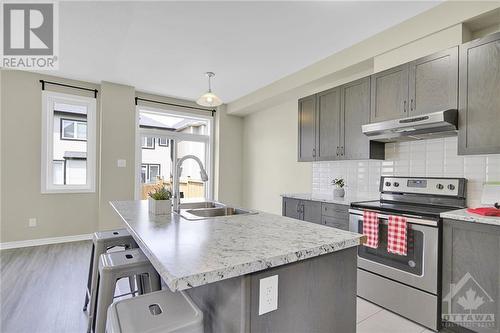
(370,228)
(396,235)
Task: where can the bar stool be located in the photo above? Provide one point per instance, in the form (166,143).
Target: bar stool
(162,311)
(114,266)
(102,242)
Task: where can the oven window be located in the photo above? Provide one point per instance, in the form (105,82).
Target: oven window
(411,263)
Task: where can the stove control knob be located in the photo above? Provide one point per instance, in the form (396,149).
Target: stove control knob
(387,183)
(396,184)
(439,186)
(451,187)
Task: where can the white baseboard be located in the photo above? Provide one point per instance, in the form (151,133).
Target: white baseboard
(44,241)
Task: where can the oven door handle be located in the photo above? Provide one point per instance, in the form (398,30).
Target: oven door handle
(410,218)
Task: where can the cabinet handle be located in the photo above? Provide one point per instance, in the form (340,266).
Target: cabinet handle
(412,105)
(404,106)
(337,151)
(314,152)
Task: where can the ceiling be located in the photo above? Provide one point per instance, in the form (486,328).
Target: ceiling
(165,47)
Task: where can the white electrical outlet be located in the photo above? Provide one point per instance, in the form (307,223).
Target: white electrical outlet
(32,222)
(121,163)
(268,294)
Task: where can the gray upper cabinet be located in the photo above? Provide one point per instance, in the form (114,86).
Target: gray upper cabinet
(433,82)
(338,116)
(307,127)
(479,101)
(329,129)
(355,110)
(389,94)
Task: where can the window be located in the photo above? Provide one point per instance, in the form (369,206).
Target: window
(148,143)
(68,143)
(72,129)
(163,142)
(150,173)
(177,134)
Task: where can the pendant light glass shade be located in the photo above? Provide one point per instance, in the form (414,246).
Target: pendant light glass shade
(209,98)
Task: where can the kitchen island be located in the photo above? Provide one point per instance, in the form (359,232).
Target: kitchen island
(220,261)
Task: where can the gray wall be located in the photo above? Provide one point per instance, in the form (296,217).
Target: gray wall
(75,214)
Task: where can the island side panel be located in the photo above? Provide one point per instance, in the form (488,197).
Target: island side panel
(314,295)
(225,305)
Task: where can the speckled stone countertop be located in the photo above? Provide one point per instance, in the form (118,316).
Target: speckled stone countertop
(193,253)
(463,215)
(329,198)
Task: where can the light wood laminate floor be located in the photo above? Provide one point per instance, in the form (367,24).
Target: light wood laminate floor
(42,288)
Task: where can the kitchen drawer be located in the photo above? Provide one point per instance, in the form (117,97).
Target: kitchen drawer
(334,210)
(335,222)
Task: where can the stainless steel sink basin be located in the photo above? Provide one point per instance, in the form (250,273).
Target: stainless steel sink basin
(203,204)
(205,210)
(214,212)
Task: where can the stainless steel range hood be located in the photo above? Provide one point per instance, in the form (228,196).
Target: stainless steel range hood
(425,126)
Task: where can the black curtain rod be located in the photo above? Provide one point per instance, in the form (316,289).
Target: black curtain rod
(43,82)
(173,104)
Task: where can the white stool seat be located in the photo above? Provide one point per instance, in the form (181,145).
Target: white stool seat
(158,312)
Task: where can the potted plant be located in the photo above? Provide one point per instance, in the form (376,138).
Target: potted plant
(338,191)
(160,201)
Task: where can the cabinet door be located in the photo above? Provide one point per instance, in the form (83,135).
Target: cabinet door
(307,123)
(329,129)
(291,208)
(355,113)
(471,273)
(434,82)
(389,96)
(479,101)
(336,222)
(311,211)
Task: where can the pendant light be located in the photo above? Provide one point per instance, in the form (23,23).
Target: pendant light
(209,98)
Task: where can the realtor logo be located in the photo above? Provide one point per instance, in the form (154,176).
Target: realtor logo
(29,35)
(468,304)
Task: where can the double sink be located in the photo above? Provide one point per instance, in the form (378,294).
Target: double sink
(209,209)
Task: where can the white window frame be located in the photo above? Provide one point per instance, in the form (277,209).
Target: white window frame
(208,139)
(49,98)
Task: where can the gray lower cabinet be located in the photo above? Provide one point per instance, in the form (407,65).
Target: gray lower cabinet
(433,82)
(479,90)
(389,94)
(355,110)
(304,210)
(471,277)
(332,215)
(307,129)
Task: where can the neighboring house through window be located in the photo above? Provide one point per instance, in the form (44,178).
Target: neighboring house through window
(68,143)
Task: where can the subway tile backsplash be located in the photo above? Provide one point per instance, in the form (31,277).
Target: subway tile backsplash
(430,158)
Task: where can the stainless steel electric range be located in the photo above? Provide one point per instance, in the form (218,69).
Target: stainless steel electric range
(408,285)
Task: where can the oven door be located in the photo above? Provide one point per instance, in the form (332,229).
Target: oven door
(419,268)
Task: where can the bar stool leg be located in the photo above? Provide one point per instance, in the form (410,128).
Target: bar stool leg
(89,279)
(155,283)
(107,284)
(99,248)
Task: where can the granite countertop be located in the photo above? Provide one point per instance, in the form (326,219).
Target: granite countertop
(193,253)
(463,215)
(329,198)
